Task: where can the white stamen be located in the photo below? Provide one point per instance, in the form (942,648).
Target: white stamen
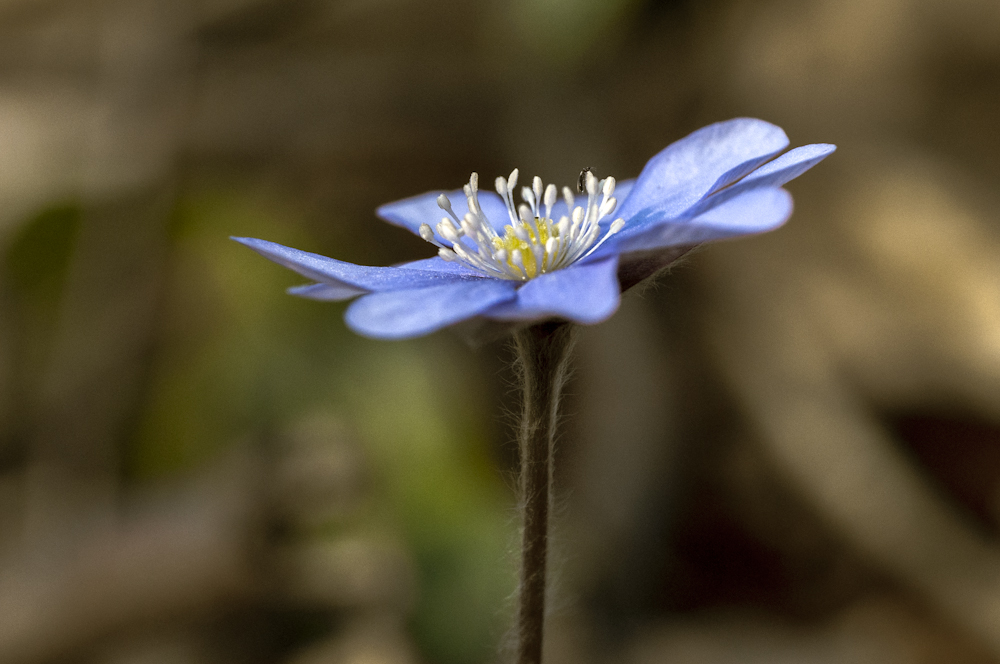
(608,206)
(443,202)
(450,233)
(552,245)
(550,200)
(528,197)
(539,252)
(508,199)
(577,221)
(616,226)
(515,258)
(609,187)
(468,228)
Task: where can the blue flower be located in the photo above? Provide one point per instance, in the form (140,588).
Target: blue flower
(561,256)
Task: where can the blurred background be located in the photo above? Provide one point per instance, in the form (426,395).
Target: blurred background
(787,450)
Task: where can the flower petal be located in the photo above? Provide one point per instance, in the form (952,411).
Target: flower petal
(349,278)
(412,313)
(586,293)
(774,173)
(686,171)
(438,264)
(790,165)
(411,212)
(754,211)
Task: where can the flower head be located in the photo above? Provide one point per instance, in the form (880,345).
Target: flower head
(567,256)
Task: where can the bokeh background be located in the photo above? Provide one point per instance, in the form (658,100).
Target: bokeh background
(786,450)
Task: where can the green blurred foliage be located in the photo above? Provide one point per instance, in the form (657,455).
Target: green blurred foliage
(419,415)
(237,357)
(567,32)
(35,266)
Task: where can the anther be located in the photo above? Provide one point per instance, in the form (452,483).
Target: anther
(550,199)
(427,233)
(608,206)
(528,197)
(445,204)
(469,228)
(448,231)
(569,198)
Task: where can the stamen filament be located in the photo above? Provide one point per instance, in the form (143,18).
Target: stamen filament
(533,243)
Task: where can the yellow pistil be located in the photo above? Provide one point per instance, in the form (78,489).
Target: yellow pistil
(546,229)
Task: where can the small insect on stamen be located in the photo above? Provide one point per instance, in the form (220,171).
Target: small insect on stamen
(581,183)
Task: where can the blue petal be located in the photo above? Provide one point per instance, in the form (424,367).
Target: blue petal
(774,173)
(623,188)
(755,211)
(413,313)
(410,213)
(349,278)
(789,166)
(586,293)
(438,264)
(686,171)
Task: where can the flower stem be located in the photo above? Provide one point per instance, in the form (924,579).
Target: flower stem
(543,351)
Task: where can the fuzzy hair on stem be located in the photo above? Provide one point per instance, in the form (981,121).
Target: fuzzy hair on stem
(543,352)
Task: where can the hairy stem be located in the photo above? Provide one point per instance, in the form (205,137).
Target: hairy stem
(543,351)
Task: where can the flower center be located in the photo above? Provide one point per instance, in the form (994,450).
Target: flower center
(533,243)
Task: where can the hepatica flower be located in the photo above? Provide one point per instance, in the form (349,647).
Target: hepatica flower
(561,254)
